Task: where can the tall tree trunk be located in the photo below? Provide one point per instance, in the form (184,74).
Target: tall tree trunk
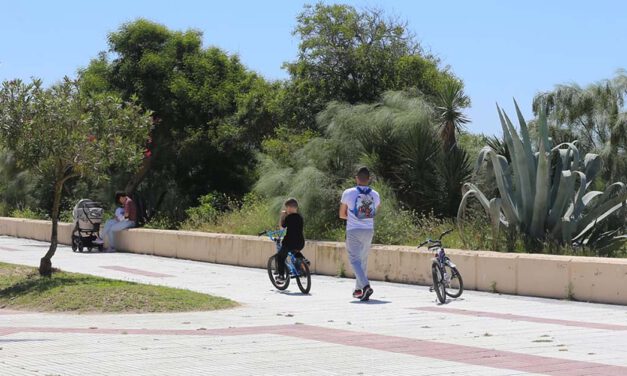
(45,265)
(139,176)
(447,134)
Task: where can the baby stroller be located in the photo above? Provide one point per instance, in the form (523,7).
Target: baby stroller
(87,216)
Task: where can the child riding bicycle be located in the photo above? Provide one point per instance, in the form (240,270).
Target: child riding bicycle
(294,240)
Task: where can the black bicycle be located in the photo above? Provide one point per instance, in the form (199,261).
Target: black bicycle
(447,280)
(295,267)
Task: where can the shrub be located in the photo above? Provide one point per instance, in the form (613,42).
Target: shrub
(543,193)
(211,205)
(28,213)
(249,217)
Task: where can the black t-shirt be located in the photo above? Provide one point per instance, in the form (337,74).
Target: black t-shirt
(294,240)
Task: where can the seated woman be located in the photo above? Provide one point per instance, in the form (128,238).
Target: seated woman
(120,222)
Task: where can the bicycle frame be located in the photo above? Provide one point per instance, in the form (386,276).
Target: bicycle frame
(277,236)
(441,258)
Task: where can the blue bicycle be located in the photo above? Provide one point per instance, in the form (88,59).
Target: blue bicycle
(296,267)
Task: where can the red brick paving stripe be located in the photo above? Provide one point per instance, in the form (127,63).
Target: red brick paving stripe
(7,331)
(455,353)
(509,316)
(401,345)
(135,271)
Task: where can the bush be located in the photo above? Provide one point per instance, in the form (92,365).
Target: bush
(211,205)
(250,217)
(162,222)
(28,213)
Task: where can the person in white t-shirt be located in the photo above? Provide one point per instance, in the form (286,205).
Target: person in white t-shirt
(358,207)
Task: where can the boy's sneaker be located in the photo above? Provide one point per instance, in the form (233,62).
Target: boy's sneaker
(366,294)
(358,294)
(279,279)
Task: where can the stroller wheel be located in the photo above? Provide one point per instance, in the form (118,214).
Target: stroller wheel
(89,249)
(80,247)
(101,248)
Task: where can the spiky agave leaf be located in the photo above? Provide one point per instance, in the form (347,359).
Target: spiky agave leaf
(554,205)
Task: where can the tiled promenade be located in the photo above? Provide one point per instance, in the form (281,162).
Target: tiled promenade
(401,331)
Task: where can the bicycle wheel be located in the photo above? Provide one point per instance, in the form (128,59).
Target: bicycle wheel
(438,283)
(455,286)
(273,271)
(304,278)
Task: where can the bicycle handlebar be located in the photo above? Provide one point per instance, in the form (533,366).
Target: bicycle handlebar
(273,233)
(438,240)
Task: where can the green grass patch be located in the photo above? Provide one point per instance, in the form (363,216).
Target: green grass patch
(22,288)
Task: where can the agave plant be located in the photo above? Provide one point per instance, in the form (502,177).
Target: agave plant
(543,193)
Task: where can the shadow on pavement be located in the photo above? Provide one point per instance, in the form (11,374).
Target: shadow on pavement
(292,293)
(371,301)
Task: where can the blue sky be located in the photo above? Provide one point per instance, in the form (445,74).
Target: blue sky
(501,49)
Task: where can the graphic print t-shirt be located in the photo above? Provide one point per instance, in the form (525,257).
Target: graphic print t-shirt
(353,223)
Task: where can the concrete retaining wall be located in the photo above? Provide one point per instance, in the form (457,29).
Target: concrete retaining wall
(582,278)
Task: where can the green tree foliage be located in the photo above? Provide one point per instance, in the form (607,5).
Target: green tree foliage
(16,185)
(472,143)
(62,133)
(396,137)
(450,102)
(354,56)
(595,116)
(211,113)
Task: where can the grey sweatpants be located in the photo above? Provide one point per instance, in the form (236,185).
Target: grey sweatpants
(358,243)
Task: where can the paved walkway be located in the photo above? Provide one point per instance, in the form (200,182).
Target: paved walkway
(401,331)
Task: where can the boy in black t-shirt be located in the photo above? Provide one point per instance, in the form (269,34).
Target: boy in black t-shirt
(294,240)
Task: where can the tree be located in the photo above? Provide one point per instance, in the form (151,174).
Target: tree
(16,185)
(353,56)
(211,113)
(396,137)
(595,116)
(450,101)
(61,133)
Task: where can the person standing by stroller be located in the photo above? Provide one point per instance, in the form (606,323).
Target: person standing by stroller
(119,223)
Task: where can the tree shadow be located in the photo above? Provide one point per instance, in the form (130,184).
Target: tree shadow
(34,283)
